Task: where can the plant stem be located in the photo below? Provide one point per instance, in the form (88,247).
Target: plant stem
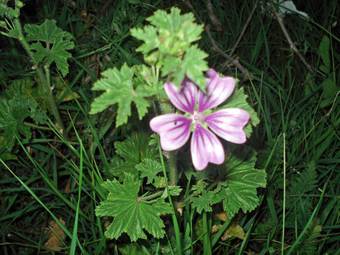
(51,101)
(152,196)
(174,217)
(173,175)
(36,126)
(206,237)
(44,79)
(172,181)
(284,196)
(172,159)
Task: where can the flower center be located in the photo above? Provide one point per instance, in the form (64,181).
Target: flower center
(197,118)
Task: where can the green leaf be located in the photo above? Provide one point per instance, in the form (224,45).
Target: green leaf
(160,182)
(239,189)
(172,191)
(172,66)
(311,241)
(205,201)
(47,32)
(169,44)
(8,12)
(23,88)
(8,16)
(199,187)
(239,100)
(131,152)
(131,214)
(16,105)
(10,126)
(133,248)
(63,91)
(330,89)
(299,206)
(149,169)
(324,54)
(51,44)
(150,37)
(302,183)
(174,25)
(119,89)
(134,1)
(194,66)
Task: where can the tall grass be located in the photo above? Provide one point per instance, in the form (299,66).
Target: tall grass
(54,178)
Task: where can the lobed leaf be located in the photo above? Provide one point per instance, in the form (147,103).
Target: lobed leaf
(239,191)
(132,152)
(205,201)
(149,169)
(131,214)
(149,35)
(16,106)
(169,44)
(194,66)
(50,44)
(119,88)
(9,12)
(173,23)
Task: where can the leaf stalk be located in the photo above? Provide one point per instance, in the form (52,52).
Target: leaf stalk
(44,78)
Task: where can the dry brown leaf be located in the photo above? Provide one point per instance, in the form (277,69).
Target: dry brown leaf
(179,207)
(56,236)
(235,230)
(215,228)
(68,186)
(222,216)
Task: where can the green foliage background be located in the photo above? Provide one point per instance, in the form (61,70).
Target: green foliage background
(57,178)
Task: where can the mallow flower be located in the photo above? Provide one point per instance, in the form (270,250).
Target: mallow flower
(198,118)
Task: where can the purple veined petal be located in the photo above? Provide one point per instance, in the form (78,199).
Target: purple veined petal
(228,124)
(205,148)
(211,73)
(218,90)
(174,130)
(183,99)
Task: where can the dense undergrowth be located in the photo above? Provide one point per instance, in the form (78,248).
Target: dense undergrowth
(52,170)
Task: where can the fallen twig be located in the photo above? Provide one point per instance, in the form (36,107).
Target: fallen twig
(233,61)
(243,29)
(214,20)
(290,41)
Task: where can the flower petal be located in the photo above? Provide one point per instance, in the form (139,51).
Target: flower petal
(229,124)
(174,130)
(218,90)
(205,148)
(183,99)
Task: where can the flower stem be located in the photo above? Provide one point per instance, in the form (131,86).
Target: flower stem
(51,101)
(173,175)
(174,217)
(172,180)
(172,159)
(206,237)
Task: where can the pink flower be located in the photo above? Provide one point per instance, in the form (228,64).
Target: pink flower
(175,129)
